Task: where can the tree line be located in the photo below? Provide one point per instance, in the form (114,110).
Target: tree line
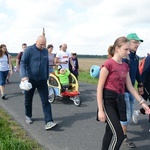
(79,56)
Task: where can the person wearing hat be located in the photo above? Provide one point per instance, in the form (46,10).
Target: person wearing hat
(76,65)
(133,62)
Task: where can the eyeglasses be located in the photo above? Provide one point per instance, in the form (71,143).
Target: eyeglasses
(74,54)
(136,42)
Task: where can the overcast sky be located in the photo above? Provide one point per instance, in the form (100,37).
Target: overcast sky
(87,26)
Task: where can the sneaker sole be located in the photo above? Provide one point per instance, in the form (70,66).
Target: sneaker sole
(29,122)
(129,144)
(4,98)
(51,127)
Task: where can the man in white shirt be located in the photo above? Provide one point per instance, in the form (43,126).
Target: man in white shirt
(63,57)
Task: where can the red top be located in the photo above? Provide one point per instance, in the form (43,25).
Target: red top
(19,55)
(117,76)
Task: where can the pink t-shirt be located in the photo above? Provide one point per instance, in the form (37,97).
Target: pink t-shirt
(117,76)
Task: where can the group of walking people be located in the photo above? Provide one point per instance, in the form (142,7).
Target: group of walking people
(116,94)
(34,63)
(34,66)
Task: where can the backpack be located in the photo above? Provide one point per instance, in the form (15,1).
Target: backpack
(141,65)
(19,56)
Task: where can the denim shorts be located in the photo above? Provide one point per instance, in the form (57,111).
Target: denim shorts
(130,100)
(3,76)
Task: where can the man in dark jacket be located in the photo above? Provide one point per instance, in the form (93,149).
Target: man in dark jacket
(146,83)
(133,62)
(34,67)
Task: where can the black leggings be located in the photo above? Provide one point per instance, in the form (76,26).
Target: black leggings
(114,135)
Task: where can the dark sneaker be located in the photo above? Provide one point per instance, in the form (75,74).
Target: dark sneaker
(129,143)
(7,81)
(3,97)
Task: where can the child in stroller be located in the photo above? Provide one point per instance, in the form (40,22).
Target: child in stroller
(63,75)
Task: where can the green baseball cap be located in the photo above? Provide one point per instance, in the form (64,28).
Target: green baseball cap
(133,36)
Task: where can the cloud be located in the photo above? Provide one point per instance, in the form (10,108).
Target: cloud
(88,27)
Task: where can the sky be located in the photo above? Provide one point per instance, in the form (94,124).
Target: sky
(86,26)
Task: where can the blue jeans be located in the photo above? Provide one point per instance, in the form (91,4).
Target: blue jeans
(130,100)
(3,76)
(42,88)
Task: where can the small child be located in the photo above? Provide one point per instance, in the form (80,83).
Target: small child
(63,76)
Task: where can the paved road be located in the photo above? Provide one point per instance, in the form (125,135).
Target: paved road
(77,128)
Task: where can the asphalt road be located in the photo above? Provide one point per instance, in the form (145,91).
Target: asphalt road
(77,128)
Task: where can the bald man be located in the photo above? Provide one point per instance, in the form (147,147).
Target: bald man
(63,57)
(34,67)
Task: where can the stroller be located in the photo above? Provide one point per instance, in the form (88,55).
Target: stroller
(56,90)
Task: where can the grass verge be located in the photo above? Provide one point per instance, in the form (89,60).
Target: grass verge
(12,136)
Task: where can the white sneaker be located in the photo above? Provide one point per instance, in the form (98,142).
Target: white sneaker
(28,120)
(135,116)
(50,125)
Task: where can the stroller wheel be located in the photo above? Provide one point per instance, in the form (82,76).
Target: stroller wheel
(51,96)
(77,101)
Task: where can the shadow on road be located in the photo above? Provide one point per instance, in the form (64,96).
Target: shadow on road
(68,121)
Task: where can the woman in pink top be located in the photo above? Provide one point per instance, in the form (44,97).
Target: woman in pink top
(114,75)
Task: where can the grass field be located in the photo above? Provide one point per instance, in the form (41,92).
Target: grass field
(12,136)
(86,63)
(84,69)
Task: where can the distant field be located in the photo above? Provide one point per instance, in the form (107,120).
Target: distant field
(87,63)
(84,63)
